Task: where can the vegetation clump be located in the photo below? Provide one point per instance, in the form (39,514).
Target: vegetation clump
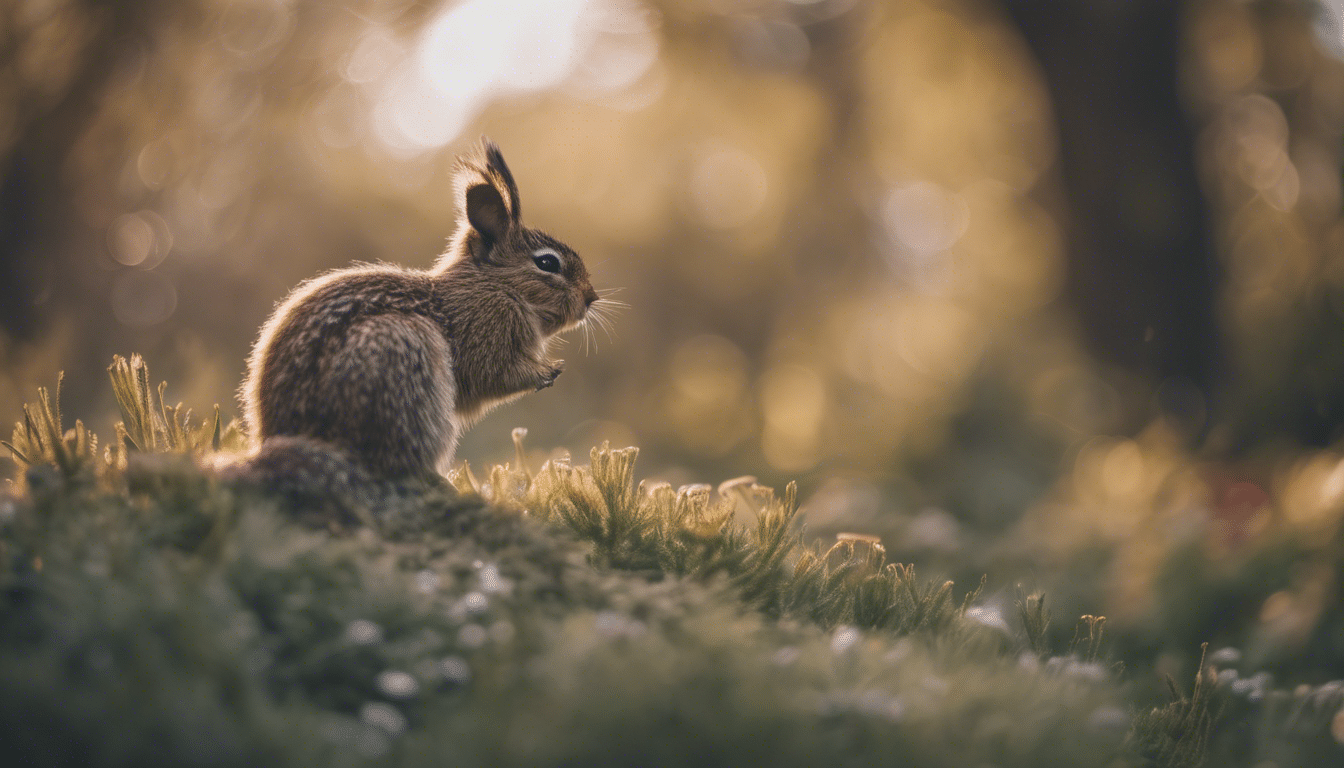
(150,613)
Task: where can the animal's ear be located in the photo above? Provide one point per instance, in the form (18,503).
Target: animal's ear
(487,194)
(487,212)
(500,174)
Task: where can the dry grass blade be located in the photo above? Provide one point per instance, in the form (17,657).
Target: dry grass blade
(130,386)
(1036,621)
(1088,646)
(148,423)
(215,434)
(41,438)
(16,453)
(1177,735)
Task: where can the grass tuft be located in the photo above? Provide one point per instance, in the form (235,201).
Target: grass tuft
(148,424)
(1177,735)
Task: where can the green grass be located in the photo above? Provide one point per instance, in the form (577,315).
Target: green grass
(150,614)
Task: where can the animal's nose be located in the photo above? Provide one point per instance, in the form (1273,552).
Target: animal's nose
(589,297)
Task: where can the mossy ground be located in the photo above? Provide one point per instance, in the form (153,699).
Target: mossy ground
(151,614)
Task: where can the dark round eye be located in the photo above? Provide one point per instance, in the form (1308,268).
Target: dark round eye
(547,262)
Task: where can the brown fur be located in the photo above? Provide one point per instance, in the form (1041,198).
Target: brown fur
(390,365)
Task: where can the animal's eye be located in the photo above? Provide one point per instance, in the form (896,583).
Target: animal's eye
(547,262)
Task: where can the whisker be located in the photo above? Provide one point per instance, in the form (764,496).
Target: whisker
(603,322)
(612,305)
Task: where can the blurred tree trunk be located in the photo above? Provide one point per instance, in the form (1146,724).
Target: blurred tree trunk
(833,67)
(1143,275)
(37,213)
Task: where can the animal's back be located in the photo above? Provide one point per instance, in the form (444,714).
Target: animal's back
(359,358)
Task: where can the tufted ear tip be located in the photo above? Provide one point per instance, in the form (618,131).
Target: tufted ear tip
(490,150)
(485,166)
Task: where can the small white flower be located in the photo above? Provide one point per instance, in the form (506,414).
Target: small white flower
(492,582)
(397,685)
(845,638)
(363,632)
(990,616)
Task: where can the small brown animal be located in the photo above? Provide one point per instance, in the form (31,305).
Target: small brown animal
(389,366)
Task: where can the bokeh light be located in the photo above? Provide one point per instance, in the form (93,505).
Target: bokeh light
(478,51)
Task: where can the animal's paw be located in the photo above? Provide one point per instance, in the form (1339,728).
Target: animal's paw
(548,378)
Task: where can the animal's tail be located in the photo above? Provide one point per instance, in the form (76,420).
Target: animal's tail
(315,480)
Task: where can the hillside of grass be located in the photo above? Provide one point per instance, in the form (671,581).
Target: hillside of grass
(568,615)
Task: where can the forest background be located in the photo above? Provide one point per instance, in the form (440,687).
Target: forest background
(1053,293)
